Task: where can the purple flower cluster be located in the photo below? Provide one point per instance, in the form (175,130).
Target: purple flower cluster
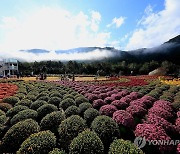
(98,103)
(160,112)
(156,120)
(152,132)
(134,95)
(124,118)
(119,104)
(109,100)
(136,110)
(163,104)
(108,110)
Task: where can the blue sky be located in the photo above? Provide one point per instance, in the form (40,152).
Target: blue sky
(64,24)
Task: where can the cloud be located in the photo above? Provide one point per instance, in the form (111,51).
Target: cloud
(156,27)
(51,28)
(117,22)
(52,55)
(96,18)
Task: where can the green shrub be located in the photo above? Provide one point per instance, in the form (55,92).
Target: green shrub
(69,128)
(55,101)
(18,133)
(86,142)
(68,96)
(37,143)
(52,121)
(2,112)
(3,119)
(106,128)
(35,105)
(124,146)
(42,94)
(66,103)
(24,102)
(31,97)
(62,92)
(3,130)
(11,100)
(13,111)
(74,93)
(80,100)
(83,107)
(22,115)
(90,114)
(57,151)
(176,105)
(44,98)
(79,95)
(20,95)
(56,94)
(72,110)
(46,109)
(5,107)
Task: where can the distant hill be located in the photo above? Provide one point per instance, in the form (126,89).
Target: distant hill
(36,51)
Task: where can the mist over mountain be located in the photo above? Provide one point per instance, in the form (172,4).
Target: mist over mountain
(169,50)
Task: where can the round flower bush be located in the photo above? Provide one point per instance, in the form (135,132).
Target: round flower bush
(81,99)
(134,95)
(152,132)
(11,100)
(116,96)
(136,111)
(163,104)
(138,102)
(35,105)
(55,101)
(2,112)
(24,102)
(122,117)
(66,103)
(90,114)
(161,112)
(52,121)
(13,111)
(92,97)
(55,94)
(86,142)
(22,115)
(70,128)
(103,95)
(72,110)
(125,99)
(119,104)
(106,128)
(41,142)
(17,134)
(57,151)
(98,103)
(119,146)
(108,100)
(83,107)
(108,110)
(3,119)
(167,126)
(46,109)
(44,98)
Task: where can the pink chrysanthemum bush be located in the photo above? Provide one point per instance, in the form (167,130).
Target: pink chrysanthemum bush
(109,100)
(136,111)
(163,104)
(120,104)
(126,99)
(124,118)
(108,110)
(152,132)
(161,112)
(98,103)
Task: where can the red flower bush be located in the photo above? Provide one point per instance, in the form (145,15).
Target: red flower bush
(119,104)
(152,132)
(124,118)
(138,102)
(116,96)
(92,97)
(136,110)
(134,95)
(98,103)
(126,99)
(108,110)
(7,90)
(103,95)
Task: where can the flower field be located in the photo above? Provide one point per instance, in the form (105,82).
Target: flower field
(90,117)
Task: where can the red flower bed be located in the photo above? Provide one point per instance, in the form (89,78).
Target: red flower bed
(7,90)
